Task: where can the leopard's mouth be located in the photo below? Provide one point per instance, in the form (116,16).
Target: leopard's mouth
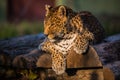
(55,40)
(52,40)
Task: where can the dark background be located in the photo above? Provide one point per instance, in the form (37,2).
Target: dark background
(22,17)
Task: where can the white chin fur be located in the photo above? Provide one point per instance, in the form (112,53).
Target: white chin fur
(64,45)
(52,40)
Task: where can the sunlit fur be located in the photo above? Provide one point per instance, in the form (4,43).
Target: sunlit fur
(66,29)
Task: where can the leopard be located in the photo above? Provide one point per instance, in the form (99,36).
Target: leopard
(66,29)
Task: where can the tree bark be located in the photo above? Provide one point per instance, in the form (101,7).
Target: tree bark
(22,52)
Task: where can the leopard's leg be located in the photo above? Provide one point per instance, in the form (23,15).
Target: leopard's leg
(46,45)
(58,59)
(58,63)
(81,45)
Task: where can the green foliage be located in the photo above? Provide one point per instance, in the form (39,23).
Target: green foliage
(28,74)
(8,30)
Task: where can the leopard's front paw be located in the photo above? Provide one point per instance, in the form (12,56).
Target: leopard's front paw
(58,63)
(81,50)
(59,68)
(41,47)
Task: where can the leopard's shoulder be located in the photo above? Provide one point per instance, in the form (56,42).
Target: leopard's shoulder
(93,25)
(85,20)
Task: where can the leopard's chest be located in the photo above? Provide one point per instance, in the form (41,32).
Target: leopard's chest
(64,45)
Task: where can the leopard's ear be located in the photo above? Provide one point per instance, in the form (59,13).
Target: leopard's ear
(62,11)
(47,7)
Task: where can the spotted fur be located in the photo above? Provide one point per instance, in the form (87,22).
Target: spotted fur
(66,29)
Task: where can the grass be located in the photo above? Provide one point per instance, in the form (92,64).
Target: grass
(8,30)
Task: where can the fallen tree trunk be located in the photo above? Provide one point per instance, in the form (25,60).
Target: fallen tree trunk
(22,52)
(11,48)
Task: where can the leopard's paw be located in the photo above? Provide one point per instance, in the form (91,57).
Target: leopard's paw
(59,68)
(59,64)
(40,47)
(81,51)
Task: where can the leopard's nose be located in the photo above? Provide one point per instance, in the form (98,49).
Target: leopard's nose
(46,35)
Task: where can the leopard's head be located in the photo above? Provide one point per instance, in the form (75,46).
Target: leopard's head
(56,22)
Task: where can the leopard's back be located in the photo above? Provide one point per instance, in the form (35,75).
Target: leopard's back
(93,25)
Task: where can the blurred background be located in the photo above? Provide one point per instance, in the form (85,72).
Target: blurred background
(23,17)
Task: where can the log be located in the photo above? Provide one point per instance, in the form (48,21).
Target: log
(11,48)
(22,52)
